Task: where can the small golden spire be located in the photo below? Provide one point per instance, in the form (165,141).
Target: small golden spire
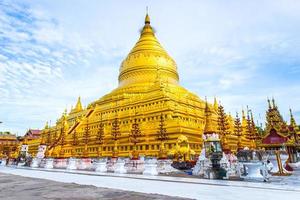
(78,106)
(215,104)
(147,18)
(206,105)
(292,119)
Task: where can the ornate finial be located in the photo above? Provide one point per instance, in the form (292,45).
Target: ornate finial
(206,105)
(243,114)
(237,115)
(269,103)
(78,106)
(247,111)
(215,103)
(273,102)
(248,116)
(252,118)
(292,119)
(147,18)
(291,113)
(46,126)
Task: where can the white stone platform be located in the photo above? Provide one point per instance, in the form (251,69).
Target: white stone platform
(172,186)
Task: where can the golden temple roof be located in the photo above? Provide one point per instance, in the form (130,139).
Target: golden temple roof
(147,60)
(78,106)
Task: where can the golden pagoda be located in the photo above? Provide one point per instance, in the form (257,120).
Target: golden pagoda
(148,94)
(150,114)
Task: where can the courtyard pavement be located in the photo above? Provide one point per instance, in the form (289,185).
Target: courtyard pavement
(14,187)
(172,186)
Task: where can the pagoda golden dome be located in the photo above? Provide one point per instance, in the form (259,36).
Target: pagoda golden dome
(147,61)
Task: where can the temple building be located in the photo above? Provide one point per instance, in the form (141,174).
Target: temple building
(8,144)
(147,112)
(150,113)
(32,139)
(280,135)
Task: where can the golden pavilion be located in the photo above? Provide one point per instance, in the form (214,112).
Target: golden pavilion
(8,145)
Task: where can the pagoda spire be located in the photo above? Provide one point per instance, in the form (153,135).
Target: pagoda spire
(248,111)
(273,103)
(209,128)
(238,130)
(78,106)
(251,115)
(222,122)
(243,114)
(230,121)
(206,105)
(147,18)
(216,106)
(254,128)
(237,125)
(269,103)
(249,126)
(292,119)
(46,125)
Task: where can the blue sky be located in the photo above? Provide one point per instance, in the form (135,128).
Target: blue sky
(53,51)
